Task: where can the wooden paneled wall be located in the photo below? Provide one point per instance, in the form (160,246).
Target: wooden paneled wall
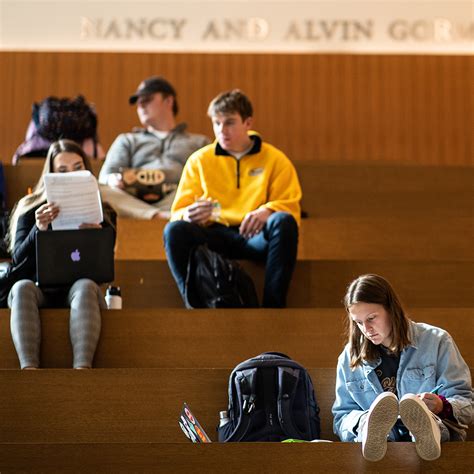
(412,109)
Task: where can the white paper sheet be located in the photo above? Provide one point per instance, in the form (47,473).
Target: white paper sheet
(77,195)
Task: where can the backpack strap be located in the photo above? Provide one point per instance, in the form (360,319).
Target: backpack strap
(247,379)
(287,382)
(246,386)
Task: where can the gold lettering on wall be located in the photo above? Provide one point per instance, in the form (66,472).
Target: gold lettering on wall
(250,29)
(132,28)
(439,29)
(257,29)
(327,30)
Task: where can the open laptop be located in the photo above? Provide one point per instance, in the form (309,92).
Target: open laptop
(191,427)
(64,256)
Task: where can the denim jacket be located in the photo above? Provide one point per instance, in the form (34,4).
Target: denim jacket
(432,358)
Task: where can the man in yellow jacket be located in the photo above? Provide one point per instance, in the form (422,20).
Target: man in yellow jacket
(239,195)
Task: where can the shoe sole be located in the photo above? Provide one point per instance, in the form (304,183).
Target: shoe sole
(419,424)
(380,422)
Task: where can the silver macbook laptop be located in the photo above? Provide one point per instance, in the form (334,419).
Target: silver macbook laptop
(64,256)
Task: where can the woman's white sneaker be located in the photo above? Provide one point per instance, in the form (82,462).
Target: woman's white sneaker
(422,425)
(382,416)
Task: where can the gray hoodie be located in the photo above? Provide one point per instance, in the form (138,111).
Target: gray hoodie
(143,149)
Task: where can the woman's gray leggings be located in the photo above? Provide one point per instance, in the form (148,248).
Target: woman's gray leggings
(85,299)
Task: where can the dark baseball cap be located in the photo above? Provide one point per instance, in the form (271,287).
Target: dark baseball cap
(152,85)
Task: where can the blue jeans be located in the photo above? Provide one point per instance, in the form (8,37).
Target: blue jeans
(276,245)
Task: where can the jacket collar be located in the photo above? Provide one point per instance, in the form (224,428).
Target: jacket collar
(413,336)
(256,147)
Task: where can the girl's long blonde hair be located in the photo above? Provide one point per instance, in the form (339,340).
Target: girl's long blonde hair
(38,195)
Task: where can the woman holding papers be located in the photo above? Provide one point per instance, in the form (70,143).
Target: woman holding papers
(31,214)
(397,379)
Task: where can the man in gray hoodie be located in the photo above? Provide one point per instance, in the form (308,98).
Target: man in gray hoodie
(142,168)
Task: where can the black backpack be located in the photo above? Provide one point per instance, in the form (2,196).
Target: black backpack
(271,398)
(4,217)
(57,118)
(213,281)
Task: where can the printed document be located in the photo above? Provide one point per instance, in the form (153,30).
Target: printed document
(77,195)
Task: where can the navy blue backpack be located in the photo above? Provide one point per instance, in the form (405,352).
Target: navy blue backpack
(271,398)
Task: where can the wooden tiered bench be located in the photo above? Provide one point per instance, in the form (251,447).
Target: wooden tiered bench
(168,338)
(218,458)
(411,224)
(336,238)
(342,189)
(124,405)
(316,283)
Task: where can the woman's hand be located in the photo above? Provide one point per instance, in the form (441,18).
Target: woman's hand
(46,214)
(85,225)
(114,180)
(433,402)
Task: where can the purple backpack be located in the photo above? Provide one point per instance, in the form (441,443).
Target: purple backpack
(55,118)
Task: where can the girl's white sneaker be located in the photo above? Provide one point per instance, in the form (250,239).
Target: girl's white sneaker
(423,426)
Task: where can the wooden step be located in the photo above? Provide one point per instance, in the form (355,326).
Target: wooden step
(275,458)
(168,338)
(382,177)
(398,203)
(123,405)
(317,283)
(335,189)
(341,238)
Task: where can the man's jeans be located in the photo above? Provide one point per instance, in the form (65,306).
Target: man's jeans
(276,244)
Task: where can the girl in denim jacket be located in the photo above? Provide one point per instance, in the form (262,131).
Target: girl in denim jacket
(397,379)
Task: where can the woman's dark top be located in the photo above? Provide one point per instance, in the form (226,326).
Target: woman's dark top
(24,247)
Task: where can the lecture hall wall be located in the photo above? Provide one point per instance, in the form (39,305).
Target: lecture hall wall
(371,108)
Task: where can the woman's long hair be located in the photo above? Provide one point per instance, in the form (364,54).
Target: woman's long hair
(374,289)
(38,195)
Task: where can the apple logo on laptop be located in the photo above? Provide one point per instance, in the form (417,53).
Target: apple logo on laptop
(76,255)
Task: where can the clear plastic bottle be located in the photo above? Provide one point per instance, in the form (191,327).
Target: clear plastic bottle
(113,297)
(216,211)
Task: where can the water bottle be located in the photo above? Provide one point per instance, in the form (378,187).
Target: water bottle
(113,297)
(223,418)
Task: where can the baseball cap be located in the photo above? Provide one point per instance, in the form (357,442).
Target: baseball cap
(152,85)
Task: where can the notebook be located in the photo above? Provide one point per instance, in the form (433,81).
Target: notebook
(64,256)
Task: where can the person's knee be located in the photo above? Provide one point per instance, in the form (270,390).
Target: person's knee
(174,230)
(23,289)
(282,221)
(84,286)
(86,295)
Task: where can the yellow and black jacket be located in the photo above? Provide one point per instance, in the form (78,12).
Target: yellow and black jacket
(264,177)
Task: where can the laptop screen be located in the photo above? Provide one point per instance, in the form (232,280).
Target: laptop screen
(64,256)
